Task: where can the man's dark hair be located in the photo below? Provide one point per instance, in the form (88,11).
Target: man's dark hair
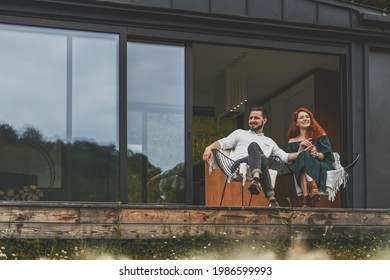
(262,110)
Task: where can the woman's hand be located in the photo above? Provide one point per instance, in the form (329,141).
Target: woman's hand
(313,151)
(305,145)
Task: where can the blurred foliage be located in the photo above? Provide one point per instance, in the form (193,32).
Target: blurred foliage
(205,247)
(206,130)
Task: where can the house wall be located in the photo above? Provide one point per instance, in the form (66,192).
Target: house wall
(378,130)
(331,27)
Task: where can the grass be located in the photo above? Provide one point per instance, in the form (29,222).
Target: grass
(340,248)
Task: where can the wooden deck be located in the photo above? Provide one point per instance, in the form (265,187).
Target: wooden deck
(80,221)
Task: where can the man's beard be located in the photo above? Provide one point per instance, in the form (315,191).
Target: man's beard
(259,127)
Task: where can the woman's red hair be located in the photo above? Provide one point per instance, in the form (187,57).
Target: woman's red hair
(314,131)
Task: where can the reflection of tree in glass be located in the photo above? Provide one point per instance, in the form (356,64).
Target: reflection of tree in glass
(7,133)
(83,170)
(135,162)
(91,171)
(162,187)
(32,134)
(167,184)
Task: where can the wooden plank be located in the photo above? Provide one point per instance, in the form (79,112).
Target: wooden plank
(238,215)
(36,214)
(129,222)
(171,231)
(139,231)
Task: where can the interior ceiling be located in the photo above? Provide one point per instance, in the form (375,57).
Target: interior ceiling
(268,71)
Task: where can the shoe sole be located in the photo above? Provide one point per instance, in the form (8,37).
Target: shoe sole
(253,189)
(315,198)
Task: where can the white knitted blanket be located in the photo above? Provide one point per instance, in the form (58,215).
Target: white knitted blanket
(335,178)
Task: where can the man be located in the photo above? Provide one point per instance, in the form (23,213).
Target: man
(253,147)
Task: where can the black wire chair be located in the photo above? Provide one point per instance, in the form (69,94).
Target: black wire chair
(344,174)
(234,171)
(348,169)
(353,163)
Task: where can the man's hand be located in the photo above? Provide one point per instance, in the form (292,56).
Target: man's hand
(207,154)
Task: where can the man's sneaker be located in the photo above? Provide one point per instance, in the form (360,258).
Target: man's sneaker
(273,203)
(255,187)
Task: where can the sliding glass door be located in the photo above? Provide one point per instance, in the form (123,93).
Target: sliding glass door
(58,114)
(155,123)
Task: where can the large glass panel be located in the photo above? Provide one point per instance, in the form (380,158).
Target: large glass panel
(58,114)
(155,117)
(92,161)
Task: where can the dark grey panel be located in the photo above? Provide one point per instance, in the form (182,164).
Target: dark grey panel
(300,11)
(117,1)
(197,5)
(331,15)
(355,20)
(268,9)
(354,132)
(153,3)
(378,130)
(230,7)
(373,21)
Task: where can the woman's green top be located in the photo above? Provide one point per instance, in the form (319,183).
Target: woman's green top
(314,167)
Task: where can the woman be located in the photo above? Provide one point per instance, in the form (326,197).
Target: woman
(306,136)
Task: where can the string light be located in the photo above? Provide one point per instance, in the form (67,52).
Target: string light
(237,84)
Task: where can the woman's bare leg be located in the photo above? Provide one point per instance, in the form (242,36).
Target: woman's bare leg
(303,182)
(304,186)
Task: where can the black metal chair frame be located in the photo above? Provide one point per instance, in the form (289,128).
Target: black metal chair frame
(348,167)
(353,163)
(231,167)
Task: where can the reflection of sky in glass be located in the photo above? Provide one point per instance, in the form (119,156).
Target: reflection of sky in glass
(33,82)
(156,102)
(156,74)
(95,89)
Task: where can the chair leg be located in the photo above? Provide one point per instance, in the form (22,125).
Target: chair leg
(242,196)
(223,193)
(250,200)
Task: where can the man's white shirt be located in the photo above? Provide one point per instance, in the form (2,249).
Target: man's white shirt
(238,142)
